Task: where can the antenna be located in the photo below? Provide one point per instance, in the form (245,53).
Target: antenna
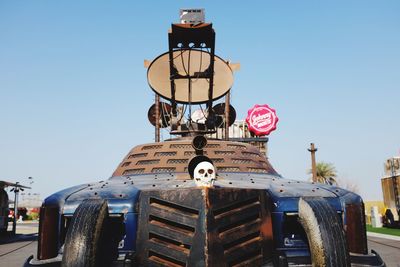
(189,73)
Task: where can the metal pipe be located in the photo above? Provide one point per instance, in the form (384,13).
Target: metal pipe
(157,130)
(312,149)
(227,103)
(16,191)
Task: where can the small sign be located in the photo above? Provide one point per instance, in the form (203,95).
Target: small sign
(192,16)
(261,120)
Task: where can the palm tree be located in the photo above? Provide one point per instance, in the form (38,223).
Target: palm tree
(326,173)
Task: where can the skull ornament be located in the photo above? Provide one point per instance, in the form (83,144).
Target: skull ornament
(204,174)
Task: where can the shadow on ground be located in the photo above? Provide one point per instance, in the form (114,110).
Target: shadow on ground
(12,238)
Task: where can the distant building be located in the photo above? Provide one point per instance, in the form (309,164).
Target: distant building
(391,185)
(368,206)
(29,200)
(239,131)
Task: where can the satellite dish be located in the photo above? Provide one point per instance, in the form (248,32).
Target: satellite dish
(164,109)
(194,63)
(219,111)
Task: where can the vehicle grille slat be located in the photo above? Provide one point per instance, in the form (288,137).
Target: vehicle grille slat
(173,206)
(173,216)
(168,249)
(256,260)
(220,208)
(240,231)
(156,259)
(241,252)
(242,240)
(241,209)
(174,233)
(243,215)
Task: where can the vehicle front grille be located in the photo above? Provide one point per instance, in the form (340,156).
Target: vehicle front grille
(171,228)
(167,226)
(239,231)
(204,227)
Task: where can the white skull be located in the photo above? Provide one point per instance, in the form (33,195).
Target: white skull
(204,174)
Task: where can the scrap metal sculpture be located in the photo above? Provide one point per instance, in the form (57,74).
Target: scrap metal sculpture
(198,201)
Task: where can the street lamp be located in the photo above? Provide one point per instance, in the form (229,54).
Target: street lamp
(16,190)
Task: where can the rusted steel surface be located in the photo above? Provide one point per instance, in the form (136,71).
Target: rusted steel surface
(173,156)
(390,194)
(355,228)
(48,238)
(204,227)
(227,106)
(240,227)
(157,103)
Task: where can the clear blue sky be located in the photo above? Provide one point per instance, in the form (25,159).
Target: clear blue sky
(74,95)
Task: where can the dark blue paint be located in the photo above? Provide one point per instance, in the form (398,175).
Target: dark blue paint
(130,220)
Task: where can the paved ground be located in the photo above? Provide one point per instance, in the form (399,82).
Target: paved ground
(13,254)
(388,249)
(18,257)
(14,250)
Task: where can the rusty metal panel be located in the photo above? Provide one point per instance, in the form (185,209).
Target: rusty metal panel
(240,227)
(389,194)
(170,224)
(172,156)
(48,239)
(204,227)
(355,228)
